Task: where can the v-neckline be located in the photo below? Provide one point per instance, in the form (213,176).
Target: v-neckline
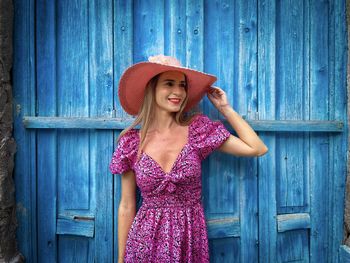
(160,167)
(178,155)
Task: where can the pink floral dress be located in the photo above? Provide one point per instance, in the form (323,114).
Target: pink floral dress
(170,224)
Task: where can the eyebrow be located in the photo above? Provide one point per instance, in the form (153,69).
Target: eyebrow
(182,81)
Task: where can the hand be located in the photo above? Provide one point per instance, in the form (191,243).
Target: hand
(218,97)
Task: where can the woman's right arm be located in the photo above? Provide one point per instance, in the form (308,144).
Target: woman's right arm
(126,210)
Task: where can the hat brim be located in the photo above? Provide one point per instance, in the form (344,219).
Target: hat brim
(134,80)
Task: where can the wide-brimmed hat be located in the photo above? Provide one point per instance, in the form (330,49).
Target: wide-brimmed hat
(133,82)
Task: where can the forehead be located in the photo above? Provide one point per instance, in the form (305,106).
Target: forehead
(175,75)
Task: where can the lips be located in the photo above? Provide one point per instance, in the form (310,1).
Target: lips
(174,100)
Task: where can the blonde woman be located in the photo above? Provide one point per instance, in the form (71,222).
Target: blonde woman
(164,157)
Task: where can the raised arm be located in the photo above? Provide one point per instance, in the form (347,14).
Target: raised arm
(126,211)
(248,143)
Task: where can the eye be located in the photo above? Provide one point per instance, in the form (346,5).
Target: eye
(183,85)
(170,84)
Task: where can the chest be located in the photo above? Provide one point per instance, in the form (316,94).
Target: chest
(164,150)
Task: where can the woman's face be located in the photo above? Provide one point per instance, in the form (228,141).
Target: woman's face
(170,91)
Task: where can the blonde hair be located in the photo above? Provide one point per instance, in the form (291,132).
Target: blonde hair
(146,113)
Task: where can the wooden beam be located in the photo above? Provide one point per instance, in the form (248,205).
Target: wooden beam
(118,123)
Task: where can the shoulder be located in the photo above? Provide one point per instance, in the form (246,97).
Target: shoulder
(128,137)
(201,121)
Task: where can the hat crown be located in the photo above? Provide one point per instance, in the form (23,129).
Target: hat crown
(165,60)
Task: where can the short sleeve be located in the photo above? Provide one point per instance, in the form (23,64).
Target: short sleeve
(124,155)
(208,135)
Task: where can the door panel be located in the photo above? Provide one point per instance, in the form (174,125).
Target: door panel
(277,61)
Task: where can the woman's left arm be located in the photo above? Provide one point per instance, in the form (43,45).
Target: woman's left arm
(248,143)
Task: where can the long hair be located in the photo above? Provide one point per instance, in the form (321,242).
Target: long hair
(145,115)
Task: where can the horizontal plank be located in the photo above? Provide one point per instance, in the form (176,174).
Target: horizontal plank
(79,226)
(288,222)
(118,123)
(223,227)
(344,254)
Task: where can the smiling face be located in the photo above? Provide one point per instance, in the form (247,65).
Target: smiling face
(170,92)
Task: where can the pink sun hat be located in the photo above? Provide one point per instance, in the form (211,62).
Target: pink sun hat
(133,82)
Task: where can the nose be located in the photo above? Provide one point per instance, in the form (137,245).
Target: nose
(178,88)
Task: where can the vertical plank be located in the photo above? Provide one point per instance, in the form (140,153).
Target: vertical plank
(74,249)
(338,106)
(24,104)
(101,142)
(319,143)
(175,13)
(267,110)
(123,46)
(46,139)
(220,185)
(73,72)
(224,250)
(148,29)
(292,94)
(293,246)
(75,184)
(122,57)
(247,105)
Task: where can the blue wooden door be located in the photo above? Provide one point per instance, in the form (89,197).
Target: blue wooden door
(283,66)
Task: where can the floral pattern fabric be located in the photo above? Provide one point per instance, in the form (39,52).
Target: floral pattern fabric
(170,224)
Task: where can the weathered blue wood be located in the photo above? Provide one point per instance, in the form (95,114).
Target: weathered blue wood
(247,88)
(224,250)
(46,139)
(78,247)
(175,22)
(122,123)
(290,64)
(84,228)
(223,227)
(319,143)
(76,193)
(286,222)
(24,104)
(101,142)
(266,104)
(292,246)
(339,110)
(221,195)
(344,254)
(123,57)
(149,32)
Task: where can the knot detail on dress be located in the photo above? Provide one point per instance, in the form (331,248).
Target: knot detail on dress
(167,184)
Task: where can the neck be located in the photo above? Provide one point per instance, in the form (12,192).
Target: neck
(163,121)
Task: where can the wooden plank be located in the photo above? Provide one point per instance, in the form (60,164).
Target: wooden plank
(122,123)
(267,110)
(223,227)
(344,254)
(73,152)
(292,94)
(224,250)
(122,57)
(101,142)
(24,104)
(76,227)
(288,222)
(319,143)
(247,104)
(46,139)
(74,249)
(72,42)
(293,246)
(175,16)
(148,29)
(338,106)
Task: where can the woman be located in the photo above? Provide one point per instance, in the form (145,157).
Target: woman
(164,159)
